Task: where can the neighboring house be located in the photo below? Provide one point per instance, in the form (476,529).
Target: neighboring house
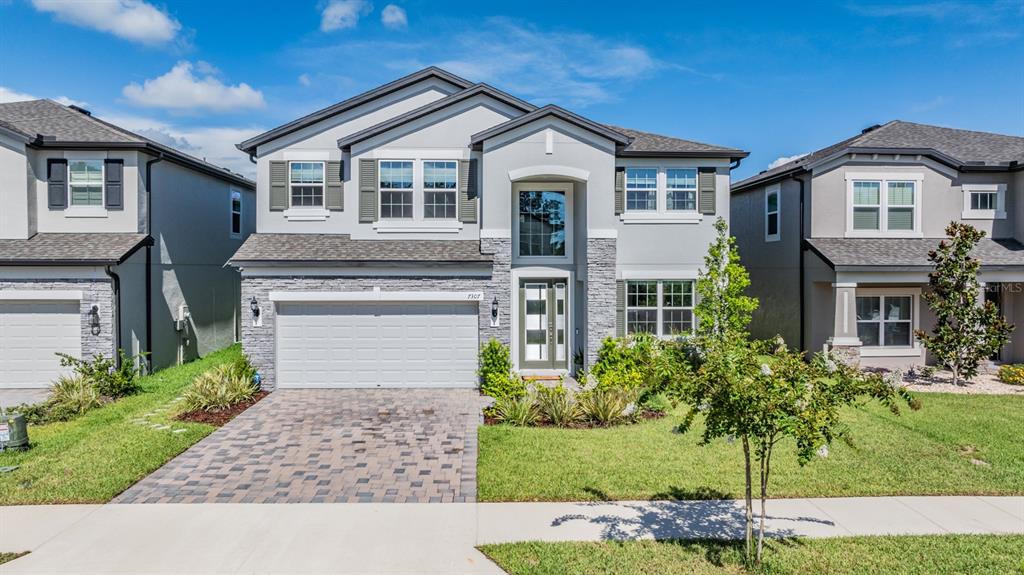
(109,240)
(837,241)
(401,228)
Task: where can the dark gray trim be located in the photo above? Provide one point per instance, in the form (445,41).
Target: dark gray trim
(733,155)
(551,110)
(56,183)
(477,89)
(249,146)
(113,184)
(484,265)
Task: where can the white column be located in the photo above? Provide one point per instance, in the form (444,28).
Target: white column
(844,332)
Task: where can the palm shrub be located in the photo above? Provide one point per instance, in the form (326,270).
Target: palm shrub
(519,411)
(71,396)
(557,405)
(112,378)
(604,406)
(219,388)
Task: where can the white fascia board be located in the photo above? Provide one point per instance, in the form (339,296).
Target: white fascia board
(373,295)
(40,295)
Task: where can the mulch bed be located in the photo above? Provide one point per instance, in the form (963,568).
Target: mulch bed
(220,417)
(644,416)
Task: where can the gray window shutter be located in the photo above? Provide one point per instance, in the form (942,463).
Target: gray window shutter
(367,191)
(620,190)
(468,192)
(113,184)
(57,183)
(278,185)
(706,187)
(335,199)
(620,308)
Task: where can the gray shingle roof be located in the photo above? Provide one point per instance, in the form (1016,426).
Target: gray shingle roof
(646,142)
(48,123)
(909,252)
(71,248)
(328,248)
(962,146)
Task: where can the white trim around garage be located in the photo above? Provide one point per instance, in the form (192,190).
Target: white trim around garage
(40,295)
(374,295)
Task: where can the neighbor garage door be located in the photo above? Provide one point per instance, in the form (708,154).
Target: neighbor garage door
(31,332)
(377,344)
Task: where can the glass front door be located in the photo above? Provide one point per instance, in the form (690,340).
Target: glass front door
(543,306)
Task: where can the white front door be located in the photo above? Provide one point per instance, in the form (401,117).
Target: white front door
(377,344)
(31,334)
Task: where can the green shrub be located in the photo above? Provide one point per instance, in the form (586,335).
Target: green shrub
(608,406)
(108,379)
(656,403)
(520,411)
(71,396)
(1012,374)
(497,379)
(219,388)
(557,405)
(503,385)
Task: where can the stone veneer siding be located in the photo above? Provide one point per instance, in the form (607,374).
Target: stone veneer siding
(601,254)
(99,292)
(258,342)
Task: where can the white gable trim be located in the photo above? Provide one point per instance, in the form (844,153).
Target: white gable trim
(549,170)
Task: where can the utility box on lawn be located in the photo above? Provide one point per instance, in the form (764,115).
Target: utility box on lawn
(13,432)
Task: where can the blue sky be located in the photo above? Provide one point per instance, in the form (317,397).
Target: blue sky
(777,79)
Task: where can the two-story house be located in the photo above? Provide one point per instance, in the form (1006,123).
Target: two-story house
(401,228)
(837,241)
(109,240)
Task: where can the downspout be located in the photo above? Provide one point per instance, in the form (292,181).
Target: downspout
(149,261)
(800,252)
(116,280)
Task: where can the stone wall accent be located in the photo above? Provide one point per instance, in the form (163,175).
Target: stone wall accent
(258,342)
(98,292)
(499,284)
(601,254)
(848,354)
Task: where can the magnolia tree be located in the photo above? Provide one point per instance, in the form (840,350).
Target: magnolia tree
(723,311)
(966,330)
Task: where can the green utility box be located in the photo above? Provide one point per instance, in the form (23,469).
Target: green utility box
(13,432)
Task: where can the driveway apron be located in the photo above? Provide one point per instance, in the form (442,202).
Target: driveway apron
(331,446)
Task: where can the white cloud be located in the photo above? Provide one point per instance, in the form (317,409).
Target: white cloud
(181,90)
(305,80)
(928,106)
(394,17)
(11,95)
(785,160)
(343,14)
(133,20)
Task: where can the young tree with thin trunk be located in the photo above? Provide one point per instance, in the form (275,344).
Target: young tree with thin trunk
(967,330)
(723,311)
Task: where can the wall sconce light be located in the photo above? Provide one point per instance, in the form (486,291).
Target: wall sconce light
(254,307)
(94,320)
(494,312)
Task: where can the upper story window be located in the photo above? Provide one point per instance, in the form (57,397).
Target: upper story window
(396,189)
(662,308)
(772,232)
(984,201)
(884,205)
(681,189)
(236,213)
(85,182)
(306,184)
(642,189)
(542,223)
(439,189)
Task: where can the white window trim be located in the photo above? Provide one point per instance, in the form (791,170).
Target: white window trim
(417,223)
(660,307)
(883,217)
(997,214)
(231,213)
(565,187)
(768,191)
(660,215)
(914,349)
(81,211)
(306,213)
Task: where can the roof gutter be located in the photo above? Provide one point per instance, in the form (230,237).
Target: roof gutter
(800,253)
(116,281)
(149,261)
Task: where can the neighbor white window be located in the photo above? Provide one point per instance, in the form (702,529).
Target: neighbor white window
(772,233)
(885,320)
(306,184)
(984,201)
(439,189)
(396,189)
(681,189)
(85,182)
(642,189)
(884,204)
(236,213)
(662,308)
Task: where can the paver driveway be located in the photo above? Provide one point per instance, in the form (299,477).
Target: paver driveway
(337,445)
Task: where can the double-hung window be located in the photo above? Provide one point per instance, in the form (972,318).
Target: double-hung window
(984,201)
(396,189)
(900,206)
(867,206)
(662,308)
(439,189)
(85,182)
(236,213)
(306,184)
(681,189)
(772,233)
(642,189)
(884,204)
(885,320)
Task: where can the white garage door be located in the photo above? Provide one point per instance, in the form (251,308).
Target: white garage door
(377,344)
(30,335)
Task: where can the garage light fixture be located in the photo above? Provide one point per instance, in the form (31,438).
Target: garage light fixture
(94,320)
(254,307)
(494,312)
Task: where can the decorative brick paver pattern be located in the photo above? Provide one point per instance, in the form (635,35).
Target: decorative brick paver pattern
(331,446)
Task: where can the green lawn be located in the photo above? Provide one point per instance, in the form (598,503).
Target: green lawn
(927,452)
(5,557)
(93,458)
(929,555)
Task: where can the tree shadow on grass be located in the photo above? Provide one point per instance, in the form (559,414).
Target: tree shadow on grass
(721,553)
(672,493)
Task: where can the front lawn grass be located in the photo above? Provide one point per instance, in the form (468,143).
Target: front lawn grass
(95,457)
(918,555)
(927,452)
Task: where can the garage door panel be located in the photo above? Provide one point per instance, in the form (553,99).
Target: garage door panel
(31,333)
(368,344)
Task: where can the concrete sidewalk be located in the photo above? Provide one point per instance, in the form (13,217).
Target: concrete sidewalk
(431,538)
